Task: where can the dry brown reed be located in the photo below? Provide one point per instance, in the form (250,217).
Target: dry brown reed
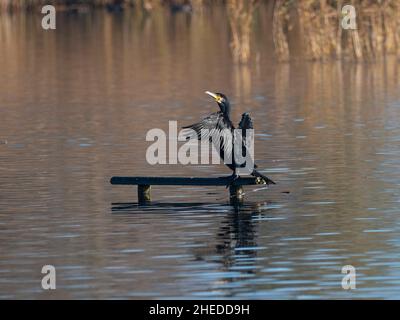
(307,28)
(322,37)
(240,15)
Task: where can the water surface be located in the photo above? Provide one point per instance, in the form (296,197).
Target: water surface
(75,107)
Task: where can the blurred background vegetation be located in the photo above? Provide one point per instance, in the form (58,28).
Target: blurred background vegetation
(309,28)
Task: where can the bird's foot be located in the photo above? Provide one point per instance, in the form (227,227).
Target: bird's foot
(260,180)
(232,179)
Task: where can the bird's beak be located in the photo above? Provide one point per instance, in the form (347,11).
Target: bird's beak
(212,94)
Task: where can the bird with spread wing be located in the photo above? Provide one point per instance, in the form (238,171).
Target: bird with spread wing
(219,129)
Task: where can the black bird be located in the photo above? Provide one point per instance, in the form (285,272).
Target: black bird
(218,127)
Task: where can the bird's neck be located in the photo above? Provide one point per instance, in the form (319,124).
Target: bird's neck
(227,111)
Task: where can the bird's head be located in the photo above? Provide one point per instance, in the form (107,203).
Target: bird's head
(222,101)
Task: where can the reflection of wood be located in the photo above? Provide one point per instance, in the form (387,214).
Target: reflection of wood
(242,82)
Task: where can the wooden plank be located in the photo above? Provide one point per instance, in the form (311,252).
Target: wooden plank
(184,181)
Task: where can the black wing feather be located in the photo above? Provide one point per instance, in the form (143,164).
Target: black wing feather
(247,123)
(215,127)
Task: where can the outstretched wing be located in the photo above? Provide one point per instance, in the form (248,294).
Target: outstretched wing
(215,127)
(246,122)
(245,125)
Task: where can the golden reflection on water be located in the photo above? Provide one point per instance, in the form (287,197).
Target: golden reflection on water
(75,107)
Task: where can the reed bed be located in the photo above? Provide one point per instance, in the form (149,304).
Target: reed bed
(321,36)
(310,29)
(24,5)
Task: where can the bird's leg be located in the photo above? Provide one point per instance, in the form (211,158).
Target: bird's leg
(232,178)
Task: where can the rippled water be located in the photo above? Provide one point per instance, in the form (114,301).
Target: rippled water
(75,107)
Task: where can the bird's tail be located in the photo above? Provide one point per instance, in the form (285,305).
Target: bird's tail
(267,180)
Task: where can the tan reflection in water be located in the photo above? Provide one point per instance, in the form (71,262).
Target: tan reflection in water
(76,105)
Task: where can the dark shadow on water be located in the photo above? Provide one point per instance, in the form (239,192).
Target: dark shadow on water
(135,207)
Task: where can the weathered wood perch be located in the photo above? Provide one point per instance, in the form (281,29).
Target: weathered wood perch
(144,184)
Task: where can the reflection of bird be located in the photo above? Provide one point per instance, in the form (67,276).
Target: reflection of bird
(115,6)
(219,128)
(179,6)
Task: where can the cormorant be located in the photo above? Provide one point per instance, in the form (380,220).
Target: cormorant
(219,127)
